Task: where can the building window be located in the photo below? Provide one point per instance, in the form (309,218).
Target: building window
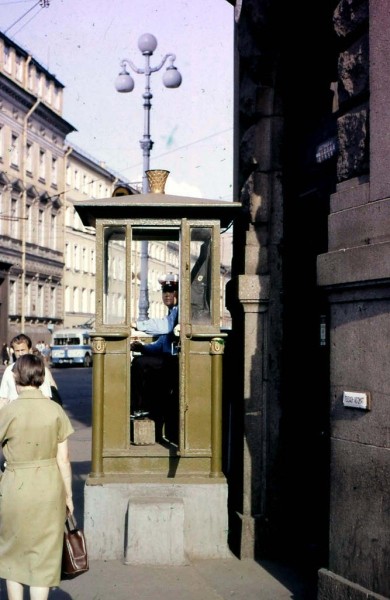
(54,171)
(40,79)
(14,219)
(30,77)
(41,227)
(57,104)
(29,222)
(7,59)
(76,258)
(12,297)
(42,165)
(121,269)
(68,261)
(48,91)
(15,150)
(67,299)
(76,299)
(84,262)
(40,301)
(27,299)
(68,174)
(76,179)
(93,262)
(19,67)
(53,299)
(53,231)
(84,301)
(29,158)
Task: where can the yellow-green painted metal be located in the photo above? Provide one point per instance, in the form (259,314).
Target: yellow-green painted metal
(216,351)
(199,450)
(97,406)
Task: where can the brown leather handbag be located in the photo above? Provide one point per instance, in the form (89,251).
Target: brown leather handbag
(74,554)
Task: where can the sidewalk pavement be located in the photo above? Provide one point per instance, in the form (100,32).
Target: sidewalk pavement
(227,579)
(215,579)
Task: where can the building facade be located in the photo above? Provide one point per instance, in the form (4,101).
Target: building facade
(47,258)
(84,179)
(309,475)
(32,134)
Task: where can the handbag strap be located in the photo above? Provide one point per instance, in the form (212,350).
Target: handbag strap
(70,522)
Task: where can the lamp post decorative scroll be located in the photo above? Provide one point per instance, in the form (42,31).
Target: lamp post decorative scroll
(147,44)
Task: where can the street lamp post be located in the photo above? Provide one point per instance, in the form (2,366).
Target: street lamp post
(147,44)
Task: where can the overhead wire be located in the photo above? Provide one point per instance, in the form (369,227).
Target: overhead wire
(42,3)
(57,194)
(27,22)
(181,147)
(22,17)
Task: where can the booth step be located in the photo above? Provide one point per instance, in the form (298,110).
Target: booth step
(155,532)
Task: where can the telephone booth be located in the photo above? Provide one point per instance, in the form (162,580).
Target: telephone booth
(157,499)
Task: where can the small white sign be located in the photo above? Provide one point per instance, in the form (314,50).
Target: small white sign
(357,400)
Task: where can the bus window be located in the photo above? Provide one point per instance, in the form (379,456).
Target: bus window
(71,347)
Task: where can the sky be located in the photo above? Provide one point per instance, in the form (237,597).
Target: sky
(82,43)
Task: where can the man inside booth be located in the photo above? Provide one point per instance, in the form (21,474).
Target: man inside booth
(154,370)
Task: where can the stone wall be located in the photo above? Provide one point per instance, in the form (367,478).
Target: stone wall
(254,291)
(355,273)
(293,62)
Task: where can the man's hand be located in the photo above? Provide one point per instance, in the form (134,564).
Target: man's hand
(136,346)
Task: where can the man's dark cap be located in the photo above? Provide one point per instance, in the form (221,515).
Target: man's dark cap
(169,287)
(169,282)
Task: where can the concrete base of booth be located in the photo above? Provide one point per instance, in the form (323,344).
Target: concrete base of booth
(155,532)
(161,523)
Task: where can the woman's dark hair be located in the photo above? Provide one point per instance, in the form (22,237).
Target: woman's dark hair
(29,369)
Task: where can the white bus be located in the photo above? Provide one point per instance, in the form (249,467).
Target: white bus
(71,347)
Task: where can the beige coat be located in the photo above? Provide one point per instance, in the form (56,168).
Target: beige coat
(32,494)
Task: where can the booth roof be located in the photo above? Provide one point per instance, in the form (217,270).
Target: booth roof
(156,206)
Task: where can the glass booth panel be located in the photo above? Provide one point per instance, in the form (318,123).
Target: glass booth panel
(154,362)
(162,257)
(201,274)
(114,276)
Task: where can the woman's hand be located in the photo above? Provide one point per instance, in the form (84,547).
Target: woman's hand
(69,505)
(66,472)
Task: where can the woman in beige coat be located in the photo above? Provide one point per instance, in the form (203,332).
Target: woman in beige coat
(36,487)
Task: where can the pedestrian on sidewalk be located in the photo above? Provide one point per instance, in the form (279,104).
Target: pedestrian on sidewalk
(5,354)
(21,344)
(36,487)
